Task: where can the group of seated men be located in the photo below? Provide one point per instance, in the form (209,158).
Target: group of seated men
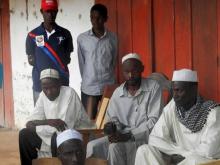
(138,129)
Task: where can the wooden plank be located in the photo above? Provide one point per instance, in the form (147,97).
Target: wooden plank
(124,31)
(8,93)
(103,124)
(95,161)
(163,24)
(47,161)
(214,162)
(2,113)
(183,37)
(218,54)
(142,32)
(101,114)
(204,18)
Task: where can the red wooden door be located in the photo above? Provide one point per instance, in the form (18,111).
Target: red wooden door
(169,35)
(2,112)
(6,97)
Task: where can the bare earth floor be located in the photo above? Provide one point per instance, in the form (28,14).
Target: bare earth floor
(9,153)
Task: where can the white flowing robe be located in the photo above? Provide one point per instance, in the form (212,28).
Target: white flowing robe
(172,137)
(67,107)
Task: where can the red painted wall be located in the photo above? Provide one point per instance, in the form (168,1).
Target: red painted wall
(169,35)
(6,96)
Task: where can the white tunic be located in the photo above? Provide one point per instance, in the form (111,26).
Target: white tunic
(67,107)
(172,137)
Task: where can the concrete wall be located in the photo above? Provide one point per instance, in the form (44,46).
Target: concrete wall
(24,16)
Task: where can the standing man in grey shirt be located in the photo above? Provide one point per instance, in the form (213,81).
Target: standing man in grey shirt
(97,52)
(133,110)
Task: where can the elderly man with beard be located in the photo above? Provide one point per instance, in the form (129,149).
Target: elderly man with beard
(134,108)
(188,131)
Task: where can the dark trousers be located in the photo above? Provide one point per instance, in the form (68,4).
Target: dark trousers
(29,143)
(91,104)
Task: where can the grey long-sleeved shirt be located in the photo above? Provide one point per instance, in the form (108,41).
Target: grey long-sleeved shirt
(97,58)
(137,113)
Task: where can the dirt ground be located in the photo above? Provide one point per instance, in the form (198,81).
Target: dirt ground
(9,152)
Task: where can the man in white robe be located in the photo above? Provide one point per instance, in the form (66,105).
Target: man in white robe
(188,131)
(70,148)
(134,108)
(57,108)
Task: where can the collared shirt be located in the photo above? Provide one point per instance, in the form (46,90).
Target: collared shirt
(49,52)
(97,57)
(171,137)
(137,113)
(67,107)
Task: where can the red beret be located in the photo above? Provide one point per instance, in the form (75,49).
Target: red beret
(49,5)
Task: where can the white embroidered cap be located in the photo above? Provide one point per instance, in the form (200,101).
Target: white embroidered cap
(68,134)
(129,56)
(185,75)
(49,73)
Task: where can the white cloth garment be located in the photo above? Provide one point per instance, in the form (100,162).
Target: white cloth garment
(67,135)
(172,137)
(67,107)
(130,56)
(49,73)
(185,75)
(137,114)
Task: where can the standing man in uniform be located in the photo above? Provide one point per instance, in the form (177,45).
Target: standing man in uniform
(48,46)
(97,51)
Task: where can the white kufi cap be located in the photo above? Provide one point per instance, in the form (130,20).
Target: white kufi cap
(49,73)
(129,56)
(185,75)
(67,135)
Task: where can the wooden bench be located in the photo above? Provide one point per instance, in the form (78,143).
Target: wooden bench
(214,162)
(56,161)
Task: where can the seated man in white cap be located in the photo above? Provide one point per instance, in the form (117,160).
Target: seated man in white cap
(70,149)
(134,108)
(188,130)
(57,108)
